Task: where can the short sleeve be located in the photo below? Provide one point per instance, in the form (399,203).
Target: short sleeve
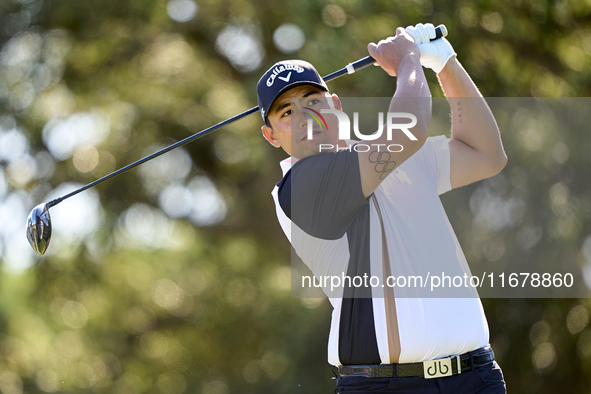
(434,159)
(325,193)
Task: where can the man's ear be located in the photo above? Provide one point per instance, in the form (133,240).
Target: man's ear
(269,135)
(337,102)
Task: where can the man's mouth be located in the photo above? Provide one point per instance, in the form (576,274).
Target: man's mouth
(314,133)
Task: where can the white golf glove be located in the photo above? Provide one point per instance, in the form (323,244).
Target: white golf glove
(434,54)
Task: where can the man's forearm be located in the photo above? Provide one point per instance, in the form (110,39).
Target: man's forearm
(411,81)
(472,121)
(398,56)
(413,95)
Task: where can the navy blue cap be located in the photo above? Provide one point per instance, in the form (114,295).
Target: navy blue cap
(282,76)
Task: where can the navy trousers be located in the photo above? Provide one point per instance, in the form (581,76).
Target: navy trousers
(486,379)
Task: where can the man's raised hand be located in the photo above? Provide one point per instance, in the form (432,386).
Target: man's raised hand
(391,52)
(434,54)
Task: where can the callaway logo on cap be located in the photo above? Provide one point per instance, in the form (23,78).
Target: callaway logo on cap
(279,69)
(283,76)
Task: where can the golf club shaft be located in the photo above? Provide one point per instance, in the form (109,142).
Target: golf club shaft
(154,155)
(440,31)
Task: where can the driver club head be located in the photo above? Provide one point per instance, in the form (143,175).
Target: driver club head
(39,228)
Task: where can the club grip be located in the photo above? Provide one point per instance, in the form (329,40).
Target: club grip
(440,32)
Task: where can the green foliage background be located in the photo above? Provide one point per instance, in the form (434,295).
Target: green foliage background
(211,311)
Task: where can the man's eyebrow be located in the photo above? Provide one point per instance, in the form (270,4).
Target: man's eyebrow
(288,103)
(310,92)
(280,107)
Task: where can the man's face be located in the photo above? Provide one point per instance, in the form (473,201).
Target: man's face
(289,121)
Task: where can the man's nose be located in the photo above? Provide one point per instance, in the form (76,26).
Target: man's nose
(303,119)
(300,118)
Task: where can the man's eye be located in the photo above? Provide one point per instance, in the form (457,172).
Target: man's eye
(313,102)
(286,113)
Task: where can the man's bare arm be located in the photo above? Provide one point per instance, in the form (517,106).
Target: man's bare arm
(398,56)
(476,149)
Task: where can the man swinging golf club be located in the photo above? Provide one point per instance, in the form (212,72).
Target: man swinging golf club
(39,228)
(373,212)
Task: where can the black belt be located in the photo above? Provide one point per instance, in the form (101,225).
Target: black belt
(426,369)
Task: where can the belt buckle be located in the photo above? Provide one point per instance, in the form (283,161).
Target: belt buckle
(437,368)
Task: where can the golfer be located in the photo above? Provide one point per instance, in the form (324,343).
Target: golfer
(376,212)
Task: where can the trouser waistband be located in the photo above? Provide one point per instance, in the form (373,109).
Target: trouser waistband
(427,369)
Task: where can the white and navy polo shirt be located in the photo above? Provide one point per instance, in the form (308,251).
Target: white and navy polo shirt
(402,229)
